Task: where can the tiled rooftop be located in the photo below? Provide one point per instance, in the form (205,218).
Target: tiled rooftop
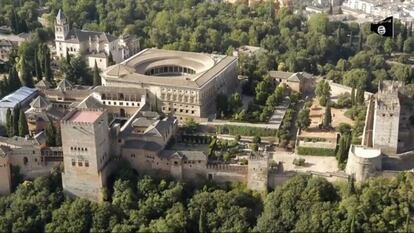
(85,116)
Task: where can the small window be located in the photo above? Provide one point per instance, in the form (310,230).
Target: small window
(73,162)
(80,164)
(25,160)
(132,155)
(86,163)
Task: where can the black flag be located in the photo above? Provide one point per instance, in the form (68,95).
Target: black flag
(384,27)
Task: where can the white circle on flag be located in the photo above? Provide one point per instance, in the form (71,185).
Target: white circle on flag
(381,30)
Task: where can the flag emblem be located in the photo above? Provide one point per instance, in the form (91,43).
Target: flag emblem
(384,27)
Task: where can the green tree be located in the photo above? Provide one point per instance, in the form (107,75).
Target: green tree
(50,134)
(47,72)
(389,46)
(75,216)
(343,148)
(96,76)
(359,99)
(13,80)
(303,121)
(16,114)
(327,119)
(318,23)
(323,91)
(27,78)
(408,46)
(37,66)
(23,127)
(9,123)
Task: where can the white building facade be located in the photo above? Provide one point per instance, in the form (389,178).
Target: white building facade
(97,46)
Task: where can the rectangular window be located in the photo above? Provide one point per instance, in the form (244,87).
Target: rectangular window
(132,155)
(80,164)
(86,163)
(73,162)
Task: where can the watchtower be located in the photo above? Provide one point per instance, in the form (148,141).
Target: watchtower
(85,145)
(387,117)
(257,172)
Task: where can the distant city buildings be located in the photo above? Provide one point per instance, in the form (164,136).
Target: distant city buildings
(402,10)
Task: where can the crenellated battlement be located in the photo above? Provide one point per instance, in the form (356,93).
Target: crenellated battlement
(227,168)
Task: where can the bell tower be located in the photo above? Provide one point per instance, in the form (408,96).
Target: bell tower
(61,27)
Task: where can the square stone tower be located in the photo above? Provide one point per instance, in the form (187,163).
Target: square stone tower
(258,173)
(387,117)
(85,144)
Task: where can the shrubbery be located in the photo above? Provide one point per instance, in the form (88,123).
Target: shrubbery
(245,130)
(316,151)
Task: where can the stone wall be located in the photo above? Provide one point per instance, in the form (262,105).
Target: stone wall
(5,174)
(85,155)
(257,175)
(363,162)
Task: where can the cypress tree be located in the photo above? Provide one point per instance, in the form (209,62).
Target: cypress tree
(359,96)
(38,70)
(343,148)
(41,56)
(4,90)
(67,57)
(353,96)
(16,112)
(338,34)
(14,22)
(27,77)
(9,123)
(23,128)
(48,70)
(23,25)
(14,80)
(96,76)
(327,119)
(50,134)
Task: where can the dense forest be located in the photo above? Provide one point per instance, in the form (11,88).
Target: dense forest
(144,204)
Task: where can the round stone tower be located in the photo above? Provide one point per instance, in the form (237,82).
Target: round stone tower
(363,162)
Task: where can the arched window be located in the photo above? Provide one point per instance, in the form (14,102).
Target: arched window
(25,160)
